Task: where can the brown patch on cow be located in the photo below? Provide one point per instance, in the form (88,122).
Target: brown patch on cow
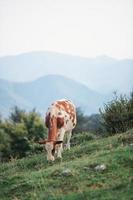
(62,104)
(60,122)
(47,121)
(66,106)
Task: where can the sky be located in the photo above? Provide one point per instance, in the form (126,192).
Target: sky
(86,28)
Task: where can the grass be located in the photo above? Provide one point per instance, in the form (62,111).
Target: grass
(33,178)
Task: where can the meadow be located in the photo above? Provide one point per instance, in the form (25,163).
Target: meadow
(75,177)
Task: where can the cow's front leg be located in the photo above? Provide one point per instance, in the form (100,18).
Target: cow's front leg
(49,147)
(59,151)
(60,146)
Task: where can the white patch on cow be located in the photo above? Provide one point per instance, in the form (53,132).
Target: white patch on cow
(62,100)
(53,111)
(61,133)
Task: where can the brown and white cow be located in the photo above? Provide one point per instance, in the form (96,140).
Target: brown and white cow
(60,120)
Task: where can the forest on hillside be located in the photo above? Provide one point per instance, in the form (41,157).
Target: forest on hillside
(20,133)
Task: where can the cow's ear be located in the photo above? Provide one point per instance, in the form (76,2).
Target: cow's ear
(58,142)
(42,141)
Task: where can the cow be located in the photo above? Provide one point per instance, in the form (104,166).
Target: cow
(60,120)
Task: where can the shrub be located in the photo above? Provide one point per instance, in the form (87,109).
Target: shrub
(118,114)
(18,134)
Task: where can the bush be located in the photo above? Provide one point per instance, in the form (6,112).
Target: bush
(18,134)
(126,138)
(118,114)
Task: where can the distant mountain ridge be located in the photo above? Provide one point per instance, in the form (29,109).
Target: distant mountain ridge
(103,73)
(43,91)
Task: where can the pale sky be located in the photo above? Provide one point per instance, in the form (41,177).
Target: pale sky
(79,27)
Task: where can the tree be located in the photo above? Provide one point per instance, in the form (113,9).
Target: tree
(5,145)
(17,114)
(34,125)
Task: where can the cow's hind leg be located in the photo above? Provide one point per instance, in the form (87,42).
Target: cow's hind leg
(69,134)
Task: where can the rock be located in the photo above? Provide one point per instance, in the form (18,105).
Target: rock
(101,167)
(67,172)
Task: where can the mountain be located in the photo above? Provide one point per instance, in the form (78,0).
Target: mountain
(43,91)
(103,74)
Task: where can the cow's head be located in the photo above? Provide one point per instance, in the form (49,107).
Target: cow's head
(51,147)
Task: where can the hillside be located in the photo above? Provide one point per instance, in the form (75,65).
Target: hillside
(75,177)
(43,91)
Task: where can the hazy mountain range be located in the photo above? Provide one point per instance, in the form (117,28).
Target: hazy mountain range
(88,82)
(102,74)
(43,91)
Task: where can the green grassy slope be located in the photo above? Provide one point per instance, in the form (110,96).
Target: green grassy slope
(33,178)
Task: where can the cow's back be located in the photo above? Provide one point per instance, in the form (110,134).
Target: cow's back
(65,113)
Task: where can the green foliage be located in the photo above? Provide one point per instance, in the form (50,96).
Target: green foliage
(17,115)
(118,114)
(5,144)
(91,123)
(20,144)
(34,178)
(95,124)
(81,122)
(34,126)
(19,134)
